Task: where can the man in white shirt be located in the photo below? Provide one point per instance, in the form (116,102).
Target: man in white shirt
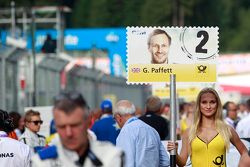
(231,118)
(243,128)
(12,152)
(30,136)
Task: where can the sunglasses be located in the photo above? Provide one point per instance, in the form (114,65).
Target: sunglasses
(76,97)
(37,122)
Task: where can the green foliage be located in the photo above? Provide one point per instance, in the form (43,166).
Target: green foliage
(156,13)
(231,16)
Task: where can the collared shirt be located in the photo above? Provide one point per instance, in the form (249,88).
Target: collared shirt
(13,153)
(230,122)
(142,145)
(243,128)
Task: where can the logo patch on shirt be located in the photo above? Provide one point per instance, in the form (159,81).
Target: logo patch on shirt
(6,155)
(218,160)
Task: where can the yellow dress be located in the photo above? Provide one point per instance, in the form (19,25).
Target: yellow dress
(212,154)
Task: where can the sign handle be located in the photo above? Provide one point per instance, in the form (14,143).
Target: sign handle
(173,118)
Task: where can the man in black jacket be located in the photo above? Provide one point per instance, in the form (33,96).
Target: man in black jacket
(153,118)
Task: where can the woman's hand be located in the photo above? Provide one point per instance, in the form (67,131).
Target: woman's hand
(171,145)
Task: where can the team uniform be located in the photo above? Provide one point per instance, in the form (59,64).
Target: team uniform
(32,139)
(35,141)
(13,153)
(212,154)
(99,154)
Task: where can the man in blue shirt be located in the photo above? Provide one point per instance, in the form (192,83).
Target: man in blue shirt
(140,142)
(106,128)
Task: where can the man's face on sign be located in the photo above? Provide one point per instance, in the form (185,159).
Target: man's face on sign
(159,48)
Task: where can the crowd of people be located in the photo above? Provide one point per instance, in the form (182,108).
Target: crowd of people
(120,134)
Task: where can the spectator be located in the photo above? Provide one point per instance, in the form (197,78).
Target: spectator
(242,110)
(18,122)
(231,117)
(243,128)
(187,121)
(49,45)
(72,147)
(165,111)
(13,153)
(153,118)
(31,137)
(140,142)
(105,129)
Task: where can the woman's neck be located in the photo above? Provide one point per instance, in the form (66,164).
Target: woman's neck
(207,122)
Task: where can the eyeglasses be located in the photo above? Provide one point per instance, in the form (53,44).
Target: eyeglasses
(37,122)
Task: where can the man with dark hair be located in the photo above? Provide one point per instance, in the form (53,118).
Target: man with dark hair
(231,114)
(158,45)
(12,152)
(18,122)
(105,129)
(153,118)
(72,148)
(49,45)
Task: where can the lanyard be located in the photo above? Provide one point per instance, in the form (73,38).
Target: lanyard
(132,119)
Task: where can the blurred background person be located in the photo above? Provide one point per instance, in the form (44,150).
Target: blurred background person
(13,153)
(49,45)
(72,147)
(242,110)
(153,117)
(96,114)
(30,136)
(231,111)
(138,112)
(140,142)
(18,122)
(106,128)
(243,127)
(165,111)
(187,121)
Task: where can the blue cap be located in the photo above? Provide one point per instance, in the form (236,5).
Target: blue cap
(106,105)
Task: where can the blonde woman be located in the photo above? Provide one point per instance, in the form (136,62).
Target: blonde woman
(209,137)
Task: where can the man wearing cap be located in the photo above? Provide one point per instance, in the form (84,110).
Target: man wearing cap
(106,128)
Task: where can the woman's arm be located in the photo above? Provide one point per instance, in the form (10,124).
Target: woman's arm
(235,140)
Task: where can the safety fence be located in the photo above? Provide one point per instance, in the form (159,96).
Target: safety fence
(19,89)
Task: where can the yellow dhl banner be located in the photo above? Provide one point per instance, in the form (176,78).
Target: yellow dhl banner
(187,93)
(140,73)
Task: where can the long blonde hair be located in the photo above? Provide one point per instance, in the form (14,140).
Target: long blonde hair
(220,125)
